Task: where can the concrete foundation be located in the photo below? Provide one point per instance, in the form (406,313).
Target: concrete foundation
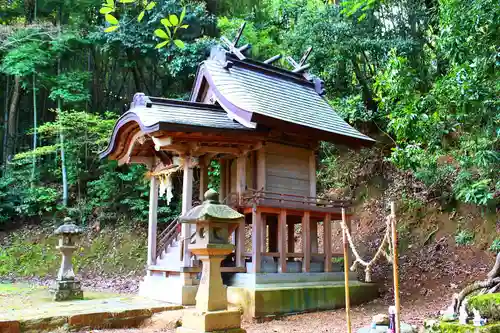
(261,295)
(173,289)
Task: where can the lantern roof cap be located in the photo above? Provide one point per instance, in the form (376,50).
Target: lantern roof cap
(69,227)
(211,210)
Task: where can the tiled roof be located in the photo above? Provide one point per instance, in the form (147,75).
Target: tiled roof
(164,112)
(270,93)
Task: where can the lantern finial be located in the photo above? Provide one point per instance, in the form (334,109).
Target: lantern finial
(211,196)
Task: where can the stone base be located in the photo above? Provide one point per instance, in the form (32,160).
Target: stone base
(405,328)
(228,321)
(66,290)
(170,289)
(287,298)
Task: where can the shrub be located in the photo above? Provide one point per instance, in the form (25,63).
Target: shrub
(495,246)
(464,237)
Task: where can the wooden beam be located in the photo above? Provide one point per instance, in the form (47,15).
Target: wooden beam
(256,240)
(327,241)
(152,224)
(222,180)
(187,201)
(162,141)
(241,174)
(306,242)
(263,234)
(291,236)
(313,231)
(261,169)
(282,241)
(147,161)
(125,158)
(312,174)
(240,244)
(203,178)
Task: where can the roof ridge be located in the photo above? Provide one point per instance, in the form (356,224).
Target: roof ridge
(182,103)
(270,69)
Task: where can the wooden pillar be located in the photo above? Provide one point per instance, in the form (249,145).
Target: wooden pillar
(152,224)
(327,241)
(222,180)
(240,244)
(282,241)
(256,240)
(314,236)
(203,177)
(312,174)
(187,201)
(291,236)
(261,169)
(306,242)
(263,234)
(241,174)
(272,233)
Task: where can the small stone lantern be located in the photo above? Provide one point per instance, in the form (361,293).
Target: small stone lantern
(66,287)
(214,223)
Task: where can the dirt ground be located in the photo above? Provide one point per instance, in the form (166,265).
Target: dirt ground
(319,322)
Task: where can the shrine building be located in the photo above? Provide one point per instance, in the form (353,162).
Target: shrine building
(263,125)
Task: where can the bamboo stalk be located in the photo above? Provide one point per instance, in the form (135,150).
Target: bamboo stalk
(395,266)
(346,274)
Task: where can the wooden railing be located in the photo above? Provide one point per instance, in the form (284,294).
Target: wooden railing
(167,236)
(253,197)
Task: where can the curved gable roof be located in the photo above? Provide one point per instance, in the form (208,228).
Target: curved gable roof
(247,89)
(171,115)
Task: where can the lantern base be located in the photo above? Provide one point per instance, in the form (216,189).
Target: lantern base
(66,290)
(227,321)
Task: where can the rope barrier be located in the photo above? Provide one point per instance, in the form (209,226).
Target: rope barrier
(386,242)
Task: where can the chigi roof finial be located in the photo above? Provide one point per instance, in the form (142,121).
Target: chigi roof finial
(301,66)
(233,46)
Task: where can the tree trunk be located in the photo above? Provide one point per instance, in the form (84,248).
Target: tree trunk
(365,88)
(33,166)
(12,122)
(6,122)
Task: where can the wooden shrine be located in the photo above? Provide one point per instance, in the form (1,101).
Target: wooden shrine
(263,124)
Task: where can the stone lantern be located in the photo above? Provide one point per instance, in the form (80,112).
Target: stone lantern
(66,287)
(214,224)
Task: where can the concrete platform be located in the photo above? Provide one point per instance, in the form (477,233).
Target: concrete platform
(308,292)
(39,314)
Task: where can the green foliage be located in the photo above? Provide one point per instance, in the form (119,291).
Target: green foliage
(34,253)
(464,237)
(214,175)
(495,245)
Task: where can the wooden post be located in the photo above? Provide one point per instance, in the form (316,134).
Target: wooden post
(240,244)
(282,241)
(312,174)
(203,177)
(241,174)
(291,236)
(346,273)
(327,241)
(395,267)
(313,231)
(263,234)
(261,169)
(306,242)
(152,224)
(222,183)
(187,202)
(256,239)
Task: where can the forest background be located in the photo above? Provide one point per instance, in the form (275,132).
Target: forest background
(420,76)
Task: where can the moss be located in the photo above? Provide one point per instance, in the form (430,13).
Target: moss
(454,327)
(488,305)
(112,251)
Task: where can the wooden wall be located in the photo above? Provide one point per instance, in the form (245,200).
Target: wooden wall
(287,169)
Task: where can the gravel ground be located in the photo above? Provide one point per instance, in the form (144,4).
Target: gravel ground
(320,322)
